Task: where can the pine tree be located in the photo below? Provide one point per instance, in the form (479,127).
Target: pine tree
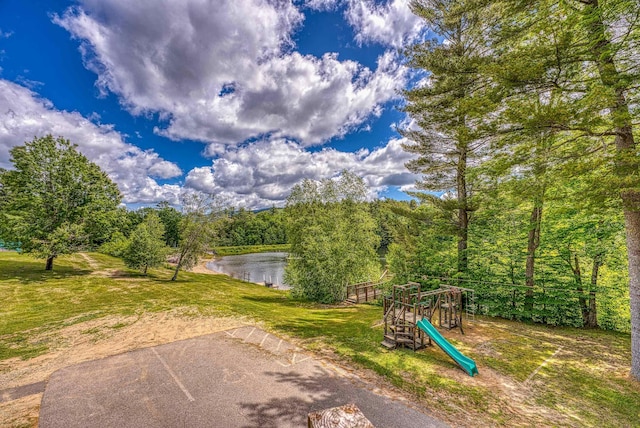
(449,110)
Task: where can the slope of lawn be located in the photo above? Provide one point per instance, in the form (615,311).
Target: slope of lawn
(529,375)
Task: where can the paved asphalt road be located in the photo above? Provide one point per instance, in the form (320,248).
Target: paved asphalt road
(239,378)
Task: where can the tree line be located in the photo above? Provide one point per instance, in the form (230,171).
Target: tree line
(230,227)
(240,227)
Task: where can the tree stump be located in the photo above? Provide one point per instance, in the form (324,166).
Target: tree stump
(347,416)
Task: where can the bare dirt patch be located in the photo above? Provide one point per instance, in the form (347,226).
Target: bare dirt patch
(201,267)
(22,412)
(513,399)
(534,371)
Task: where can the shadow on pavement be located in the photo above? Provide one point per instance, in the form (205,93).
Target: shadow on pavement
(293,410)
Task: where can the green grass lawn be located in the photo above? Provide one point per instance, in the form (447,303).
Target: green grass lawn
(529,374)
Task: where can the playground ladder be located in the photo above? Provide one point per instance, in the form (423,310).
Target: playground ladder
(470,307)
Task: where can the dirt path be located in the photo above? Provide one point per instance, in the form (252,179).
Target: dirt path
(201,267)
(92,263)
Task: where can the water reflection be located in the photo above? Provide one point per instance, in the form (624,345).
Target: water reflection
(255,267)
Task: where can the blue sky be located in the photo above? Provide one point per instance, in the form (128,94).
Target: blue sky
(240,98)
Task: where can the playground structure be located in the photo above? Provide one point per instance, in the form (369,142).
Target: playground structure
(408,315)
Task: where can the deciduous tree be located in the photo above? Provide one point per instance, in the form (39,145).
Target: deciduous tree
(196,229)
(332,237)
(55,200)
(170,218)
(146,247)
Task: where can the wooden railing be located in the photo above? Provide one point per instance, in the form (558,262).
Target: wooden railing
(363,292)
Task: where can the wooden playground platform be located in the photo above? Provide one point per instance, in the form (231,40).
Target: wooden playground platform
(409,304)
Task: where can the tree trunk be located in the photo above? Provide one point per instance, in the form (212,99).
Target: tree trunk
(463,259)
(592,319)
(512,275)
(178,266)
(539,187)
(626,165)
(463,236)
(632,224)
(532,246)
(49,265)
(463,212)
(577,276)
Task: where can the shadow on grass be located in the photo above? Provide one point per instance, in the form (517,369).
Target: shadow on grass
(27,271)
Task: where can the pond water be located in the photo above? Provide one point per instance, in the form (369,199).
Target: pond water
(254,267)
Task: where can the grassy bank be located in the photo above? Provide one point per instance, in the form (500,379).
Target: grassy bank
(529,375)
(248,249)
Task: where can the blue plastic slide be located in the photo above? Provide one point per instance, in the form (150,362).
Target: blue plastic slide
(463,361)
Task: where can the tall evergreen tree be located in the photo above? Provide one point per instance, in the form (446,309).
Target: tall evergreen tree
(449,110)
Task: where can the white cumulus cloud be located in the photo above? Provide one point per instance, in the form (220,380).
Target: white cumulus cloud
(322,4)
(24,115)
(262,174)
(226,71)
(391,23)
